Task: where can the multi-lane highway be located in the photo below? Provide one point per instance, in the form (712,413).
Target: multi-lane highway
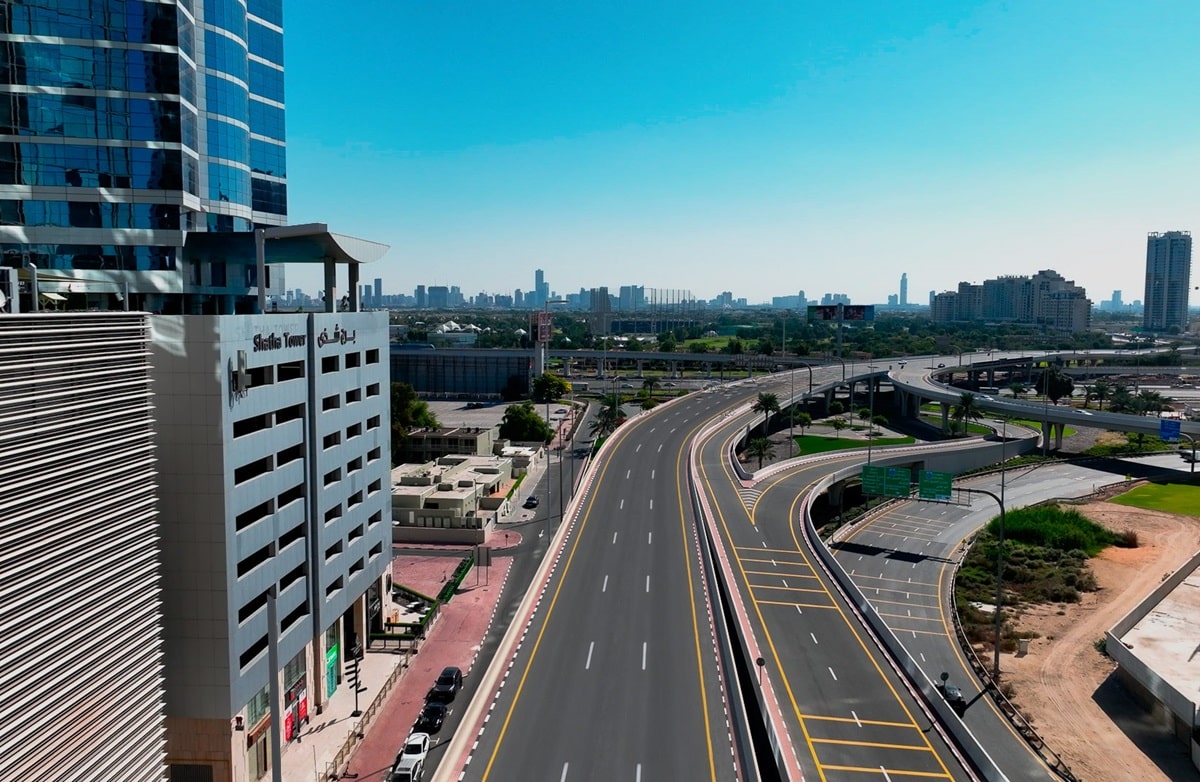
(619,674)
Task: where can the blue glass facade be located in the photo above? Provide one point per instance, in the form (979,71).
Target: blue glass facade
(148,118)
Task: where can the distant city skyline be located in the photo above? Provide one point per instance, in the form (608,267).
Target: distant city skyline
(802,146)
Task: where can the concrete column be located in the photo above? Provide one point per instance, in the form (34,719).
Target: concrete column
(355,296)
(674,365)
(1058,435)
(991,374)
(945,416)
(641,367)
(330,286)
(1045,435)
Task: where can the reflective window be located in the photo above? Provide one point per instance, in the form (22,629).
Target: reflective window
(267,10)
(218,223)
(266,120)
(187,32)
(229,141)
(226,97)
(270,197)
(52,65)
(187,82)
(266,43)
(81,214)
(106,20)
(266,82)
(267,158)
(88,256)
(227,14)
(228,183)
(89,166)
(225,54)
(85,116)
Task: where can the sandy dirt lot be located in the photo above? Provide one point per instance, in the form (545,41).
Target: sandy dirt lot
(1067,689)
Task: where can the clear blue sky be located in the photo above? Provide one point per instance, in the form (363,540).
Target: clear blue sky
(757,147)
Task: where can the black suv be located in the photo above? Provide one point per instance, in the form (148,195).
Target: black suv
(447,685)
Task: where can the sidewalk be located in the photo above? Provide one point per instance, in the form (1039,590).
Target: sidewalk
(392,706)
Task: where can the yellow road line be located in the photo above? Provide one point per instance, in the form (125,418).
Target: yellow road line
(890,772)
(881,744)
(884,723)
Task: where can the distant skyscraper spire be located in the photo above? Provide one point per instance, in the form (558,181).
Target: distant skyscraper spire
(904,289)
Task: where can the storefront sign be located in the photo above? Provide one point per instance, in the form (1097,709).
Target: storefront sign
(340,336)
(273,341)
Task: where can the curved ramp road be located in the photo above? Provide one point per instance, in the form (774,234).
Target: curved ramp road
(849,715)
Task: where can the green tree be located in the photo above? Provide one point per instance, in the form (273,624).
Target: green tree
(1054,384)
(408,413)
(735,347)
(836,408)
(838,425)
(803,420)
(698,347)
(547,387)
(766,347)
(766,403)
(608,417)
(760,448)
(1017,389)
(522,424)
(1100,392)
(967,409)
(666,342)
(649,384)
(863,414)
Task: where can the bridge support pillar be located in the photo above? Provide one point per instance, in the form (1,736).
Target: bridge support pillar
(674,370)
(708,370)
(991,374)
(641,365)
(1058,436)
(1045,437)
(945,416)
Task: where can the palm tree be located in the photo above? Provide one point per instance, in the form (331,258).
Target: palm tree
(766,403)
(1100,392)
(762,448)
(966,410)
(607,419)
(1017,389)
(649,384)
(838,425)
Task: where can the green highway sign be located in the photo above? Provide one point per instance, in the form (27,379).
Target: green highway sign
(935,485)
(886,481)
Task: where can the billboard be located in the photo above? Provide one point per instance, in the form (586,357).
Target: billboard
(841,312)
(541,324)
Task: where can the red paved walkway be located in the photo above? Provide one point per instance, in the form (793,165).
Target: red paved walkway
(454,640)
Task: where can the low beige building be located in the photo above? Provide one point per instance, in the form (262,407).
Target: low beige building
(450,500)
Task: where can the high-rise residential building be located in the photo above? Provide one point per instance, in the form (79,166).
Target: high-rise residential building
(377,299)
(133,130)
(419,295)
(439,297)
(1045,298)
(904,289)
(1168,281)
(540,289)
(81,671)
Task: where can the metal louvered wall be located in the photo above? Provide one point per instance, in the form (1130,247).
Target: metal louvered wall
(80,595)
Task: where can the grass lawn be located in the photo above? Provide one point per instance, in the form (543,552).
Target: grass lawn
(810,444)
(1067,431)
(1169,497)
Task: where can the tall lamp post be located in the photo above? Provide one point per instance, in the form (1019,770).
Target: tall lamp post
(871,407)
(545,343)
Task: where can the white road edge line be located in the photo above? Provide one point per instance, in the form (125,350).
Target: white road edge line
(587,665)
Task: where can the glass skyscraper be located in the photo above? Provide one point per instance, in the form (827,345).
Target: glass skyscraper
(128,125)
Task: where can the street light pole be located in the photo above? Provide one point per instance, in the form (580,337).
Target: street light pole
(999,584)
(871,406)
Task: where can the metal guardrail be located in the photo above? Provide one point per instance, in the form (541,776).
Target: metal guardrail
(341,760)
